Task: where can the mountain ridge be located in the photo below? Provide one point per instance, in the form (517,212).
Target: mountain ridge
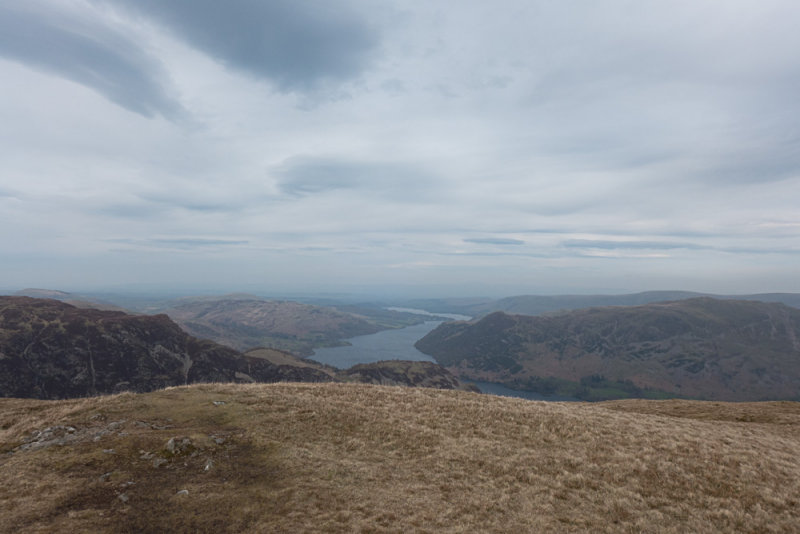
(543,304)
(287,325)
(698,348)
(50,349)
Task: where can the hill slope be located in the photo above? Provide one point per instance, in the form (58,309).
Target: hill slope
(385,372)
(360,458)
(287,325)
(700,348)
(51,350)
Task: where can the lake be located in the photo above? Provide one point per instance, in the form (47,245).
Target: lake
(398,344)
(395,344)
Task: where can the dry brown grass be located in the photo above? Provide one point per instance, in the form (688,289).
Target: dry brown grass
(360,458)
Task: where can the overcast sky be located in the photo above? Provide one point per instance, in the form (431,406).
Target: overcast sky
(428,147)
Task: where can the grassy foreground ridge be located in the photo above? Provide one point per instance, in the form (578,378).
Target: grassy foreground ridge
(363,458)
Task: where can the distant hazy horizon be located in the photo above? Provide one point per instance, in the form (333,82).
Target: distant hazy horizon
(356,294)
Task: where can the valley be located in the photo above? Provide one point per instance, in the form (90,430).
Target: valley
(150,429)
(694,347)
(54,350)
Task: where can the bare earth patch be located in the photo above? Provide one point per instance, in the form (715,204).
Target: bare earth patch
(361,458)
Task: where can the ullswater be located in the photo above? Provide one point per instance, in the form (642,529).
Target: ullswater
(398,344)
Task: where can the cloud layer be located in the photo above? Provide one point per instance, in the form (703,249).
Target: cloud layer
(296,45)
(417,146)
(89,51)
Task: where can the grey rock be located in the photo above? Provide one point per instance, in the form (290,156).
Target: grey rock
(179,446)
(54,435)
(114,425)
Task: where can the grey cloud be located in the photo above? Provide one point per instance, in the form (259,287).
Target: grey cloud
(494,241)
(523,230)
(710,105)
(498,254)
(759,165)
(296,45)
(149,206)
(180,243)
(189,203)
(203,194)
(7,193)
(130,210)
(617,150)
(198,242)
(756,251)
(559,206)
(88,52)
(394,86)
(300,176)
(314,249)
(616,245)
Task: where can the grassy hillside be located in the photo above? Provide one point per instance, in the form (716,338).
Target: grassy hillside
(362,458)
(700,348)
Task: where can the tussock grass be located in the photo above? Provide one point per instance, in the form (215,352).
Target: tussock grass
(362,458)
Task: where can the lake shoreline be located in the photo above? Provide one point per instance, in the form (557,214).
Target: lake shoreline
(398,344)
